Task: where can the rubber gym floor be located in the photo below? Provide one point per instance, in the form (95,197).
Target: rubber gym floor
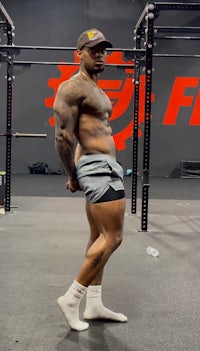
(42,245)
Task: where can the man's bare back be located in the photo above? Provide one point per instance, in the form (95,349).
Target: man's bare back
(93,108)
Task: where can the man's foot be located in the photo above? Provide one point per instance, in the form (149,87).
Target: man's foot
(101,312)
(71,314)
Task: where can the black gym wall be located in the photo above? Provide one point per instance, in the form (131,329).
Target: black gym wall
(176,81)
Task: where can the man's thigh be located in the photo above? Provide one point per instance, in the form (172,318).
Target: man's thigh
(109,216)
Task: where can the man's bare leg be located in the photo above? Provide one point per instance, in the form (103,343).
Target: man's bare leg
(69,303)
(94,305)
(108,218)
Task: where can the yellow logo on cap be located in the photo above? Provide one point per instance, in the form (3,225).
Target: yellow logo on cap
(92,35)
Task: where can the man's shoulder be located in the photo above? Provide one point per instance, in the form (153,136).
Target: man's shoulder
(67,84)
(71,86)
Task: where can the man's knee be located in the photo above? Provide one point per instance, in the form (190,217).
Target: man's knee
(117,240)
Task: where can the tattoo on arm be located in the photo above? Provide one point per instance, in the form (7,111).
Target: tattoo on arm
(66,117)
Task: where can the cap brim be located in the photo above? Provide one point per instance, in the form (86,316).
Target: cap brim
(93,43)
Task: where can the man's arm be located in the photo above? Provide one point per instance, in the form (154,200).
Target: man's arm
(78,153)
(66,115)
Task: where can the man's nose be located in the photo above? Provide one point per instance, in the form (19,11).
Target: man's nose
(100,52)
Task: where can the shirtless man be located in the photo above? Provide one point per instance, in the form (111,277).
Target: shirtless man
(86,148)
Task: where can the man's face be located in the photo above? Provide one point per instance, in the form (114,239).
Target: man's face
(94,58)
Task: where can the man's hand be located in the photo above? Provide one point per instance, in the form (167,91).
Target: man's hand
(72,185)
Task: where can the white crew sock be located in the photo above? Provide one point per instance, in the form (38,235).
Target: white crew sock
(95,308)
(69,305)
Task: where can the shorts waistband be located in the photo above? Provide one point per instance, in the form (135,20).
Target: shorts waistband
(94,157)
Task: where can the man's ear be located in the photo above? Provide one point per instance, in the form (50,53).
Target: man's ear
(78,52)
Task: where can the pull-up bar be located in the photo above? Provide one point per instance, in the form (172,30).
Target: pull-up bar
(18,63)
(117,65)
(24,135)
(13,48)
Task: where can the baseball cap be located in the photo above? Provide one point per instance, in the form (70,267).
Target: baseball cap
(92,37)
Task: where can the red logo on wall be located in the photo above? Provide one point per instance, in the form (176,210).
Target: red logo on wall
(180,97)
(119,91)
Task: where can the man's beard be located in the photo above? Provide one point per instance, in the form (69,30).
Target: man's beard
(99,69)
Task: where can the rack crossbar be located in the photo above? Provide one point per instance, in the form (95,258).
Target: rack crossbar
(177,6)
(21,63)
(5,15)
(176,29)
(11,48)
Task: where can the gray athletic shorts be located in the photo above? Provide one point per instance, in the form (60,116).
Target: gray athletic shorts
(97,173)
